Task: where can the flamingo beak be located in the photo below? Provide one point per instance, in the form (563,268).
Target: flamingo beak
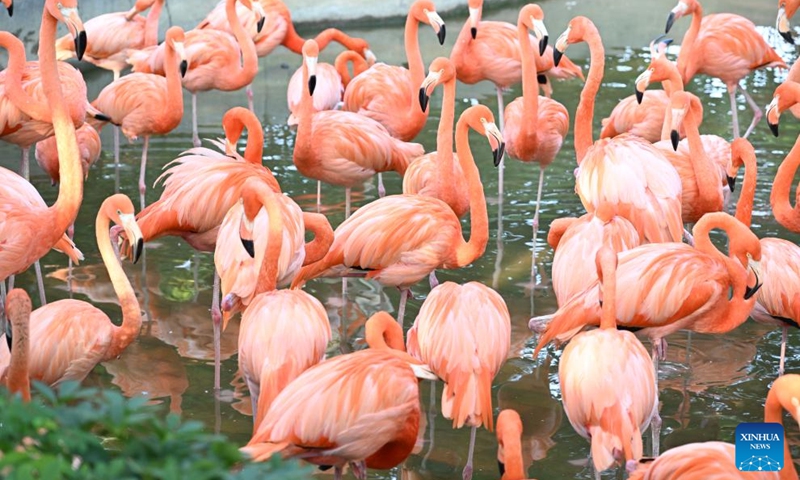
(75,26)
(561,46)
(260,15)
(756,267)
(642,82)
(676,13)
(230,148)
(10,9)
(312,74)
(438,25)
(429,83)
(782,24)
(495,141)
(131,14)
(678,115)
(135,237)
(540,32)
(731,183)
(181,51)
(370,57)
(246,234)
(773,115)
(474,20)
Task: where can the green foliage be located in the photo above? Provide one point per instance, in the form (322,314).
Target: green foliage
(86,433)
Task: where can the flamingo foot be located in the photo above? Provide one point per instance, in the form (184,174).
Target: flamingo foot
(359,470)
(466,474)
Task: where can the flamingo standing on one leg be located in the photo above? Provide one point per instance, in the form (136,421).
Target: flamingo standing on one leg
(18,316)
(725,46)
(400,239)
(343,148)
(144,104)
(608,385)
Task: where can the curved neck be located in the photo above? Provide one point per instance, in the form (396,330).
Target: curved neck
(131,313)
(786,215)
(512,456)
(672,84)
(305,113)
(444,146)
(585,113)
(319,226)
(341,64)
(173,75)
(702,240)
(687,46)
(709,193)
(254,150)
(292,40)
(151,24)
(530,86)
(413,55)
(608,270)
(17,377)
(468,251)
(13,81)
(383,333)
(744,207)
(268,274)
(773,413)
(70,188)
(249,66)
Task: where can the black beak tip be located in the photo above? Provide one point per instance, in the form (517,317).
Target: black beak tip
(497,155)
(312,84)
(731,183)
(786,35)
(250,247)
(102,117)
(137,251)
(441,34)
(11,10)
(184,68)
(557,56)
(260,24)
(639,96)
(541,79)
(423,99)
(474,32)
(773,127)
(670,21)
(80,44)
(542,45)
(749,292)
(675,137)
(501,467)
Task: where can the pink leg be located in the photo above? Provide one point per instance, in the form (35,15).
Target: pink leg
(536,224)
(250,105)
(433,280)
(655,427)
(734,113)
(501,166)
(381,188)
(346,203)
(116,159)
(319,196)
(71,234)
(195,134)
(783,349)
(757,115)
(216,318)
(359,470)
(25,164)
(40,282)
(467,473)
(142,185)
(337,473)
(401,310)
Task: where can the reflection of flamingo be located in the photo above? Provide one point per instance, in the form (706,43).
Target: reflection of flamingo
(717,459)
(400,239)
(283,332)
(88,144)
(463,333)
(646,192)
(18,316)
(70,337)
(614,409)
(343,148)
(725,46)
(786,96)
(144,104)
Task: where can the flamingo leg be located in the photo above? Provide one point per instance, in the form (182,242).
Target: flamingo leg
(757,115)
(142,169)
(401,310)
(431,420)
(498,261)
(216,319)
(347,203)
(40,282)
(467,473)
(655,427)
(249,91)
(381,188)
(25,164)
(734,113)
(337,473)
(433,280)
(196,274)
(359,470)
(784,334)
(116,159)
(71,234)
(11,282)
(536,224)
(319,196)
(195,135)
(501,165)
(688,236)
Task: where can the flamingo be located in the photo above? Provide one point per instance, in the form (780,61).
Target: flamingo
(343,148)
(400,239)
(625,171)
(29,228)
(463,333)
(509,445)
(535,127)
(697,281)
(608,385)
(69,337)
(18,315)
(113,34)
(283,332)
(210,52)
(786,10)
(88,143)
(786,96)
(144,104)
(725,46)
(361,424)
(700,461)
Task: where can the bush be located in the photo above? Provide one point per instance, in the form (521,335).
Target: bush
(86,433)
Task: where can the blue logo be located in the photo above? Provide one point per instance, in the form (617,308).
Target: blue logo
(759,447)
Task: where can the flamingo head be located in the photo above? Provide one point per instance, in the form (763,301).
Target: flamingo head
(425,12)
(481,119)
(683,8)
(119,209)
(261,15)
(66,12)
(9,6)
(174,39)
(233,124)
(360,46)
(138,7)
(783,25)
(786,95)
(475,12)
(746,248)
(682,104)
(532,17)
(741,148)
(310,56)
(574,33)
(251,203)
(441,71)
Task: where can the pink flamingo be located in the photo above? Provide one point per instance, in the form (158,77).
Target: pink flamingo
(88,143)
(786,96)
(143,104)
(786,10)
(725,46)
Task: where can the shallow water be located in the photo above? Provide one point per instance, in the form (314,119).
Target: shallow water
(708,385)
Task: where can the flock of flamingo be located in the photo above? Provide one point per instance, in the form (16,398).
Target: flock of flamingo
(623,266)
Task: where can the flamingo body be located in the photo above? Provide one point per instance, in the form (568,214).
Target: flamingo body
(644,120)
(553,122)
(88,143)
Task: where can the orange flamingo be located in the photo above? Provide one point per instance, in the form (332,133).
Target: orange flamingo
(70,337)
(613,409)
(509,445)
(786,10)
(210,52)
(785,97)
(535,127)
(701,461)
(113,34)
(144,104)
(21,218)
(88,143)
(400,239)
(646,192)
(18,317)
(283,332)
(343,148)
(725,46)
(697,279)
(463,333)
(361,424)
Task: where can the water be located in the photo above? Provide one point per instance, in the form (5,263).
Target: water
(705,391)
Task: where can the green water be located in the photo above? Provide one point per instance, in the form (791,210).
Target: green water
(705,391)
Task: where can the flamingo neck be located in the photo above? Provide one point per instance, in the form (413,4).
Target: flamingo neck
(70,188)
(329,35)
(687,46)
(608,318)
(585,112)
(268,274)
(341,65)
(786,215)
(744,207)
(709,193)
(383,333)
(131,313)
(174,86)
(530,86)
(468,251)
(292,40)
(254,150)
(151,24)
(773,413)
(512,457)
(444,145)
(17,379)
(413,55)
(244,75)
(671,84)
(13,82)
(319,226)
